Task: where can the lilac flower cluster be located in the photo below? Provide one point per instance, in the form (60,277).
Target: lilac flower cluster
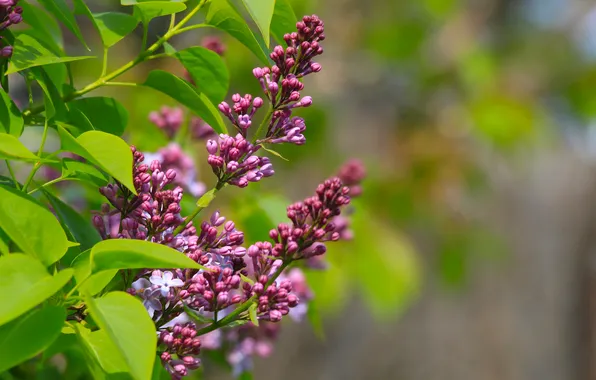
(282,85)
(10,14)
(168,120)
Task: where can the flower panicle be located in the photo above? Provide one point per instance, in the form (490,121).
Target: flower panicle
(10,14)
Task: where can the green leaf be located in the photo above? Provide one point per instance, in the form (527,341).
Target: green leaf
(65,341)
(11,148)
(128,325)
(81,228)
(261,11)
(104,114)
(55,106)
(25,338)
(82,171)
(114,26)
(208,70)
(104,350)
(201,319)
(247,279)
(11,121)
(136,254)
(168,49)
(60,10)
(284,20)
(91,284)
(147,11)
(206,198)
(222,15)
(31,226)
(277,154)
(107,151)
(252,313)
(246,375)
(28,52)
(181,91)
(25,284)
(41,21)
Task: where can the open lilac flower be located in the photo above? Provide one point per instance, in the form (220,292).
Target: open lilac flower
(149,294)
(165,281)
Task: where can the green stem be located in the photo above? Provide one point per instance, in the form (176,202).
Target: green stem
(192,27)
(263,124)
(188,219)
(28,80)
(127,84)
(14,178)
(38,164)
(59,179)
(172,21)
(140,58)
(234,315)
(104,66)
(145,33)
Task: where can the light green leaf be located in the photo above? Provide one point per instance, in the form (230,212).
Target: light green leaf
(147,11)
(261,11)
(284,20)
(168,49)
(11,121)
(104,114)
(277,154)
(181,91)
(136,254)
(114,26)
(222,15)
(206,198)
(252,313)
(208,70)
(91,284)
(25,338)
(64,342)
(104,350)
(60,10)
(55,106)
(200,319)
(28,52)
(11,148)
(25,284)
(81,228)
(107,151)
(128,325)
(31,226)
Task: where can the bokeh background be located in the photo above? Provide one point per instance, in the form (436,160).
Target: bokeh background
(474,254)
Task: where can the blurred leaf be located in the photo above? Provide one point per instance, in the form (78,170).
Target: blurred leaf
(28,52)
(26,283)
(107,151)
(60,10)
(252,313)
(284,20)
(315,320)
(206,198)
(223,16)
(32,227)
(208,70)
(246,376)
(105,114)
(11,148)
(181,91)
(64,342)
(261,11)
(26,337)
(127,324)
(159,371)
(82,229)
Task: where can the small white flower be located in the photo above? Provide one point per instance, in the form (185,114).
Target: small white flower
(165,282)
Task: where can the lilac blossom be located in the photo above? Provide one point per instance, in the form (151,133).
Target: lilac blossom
(164,281)
(10,14)
(168,120)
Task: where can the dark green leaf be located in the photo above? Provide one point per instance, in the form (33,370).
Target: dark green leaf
(181,91)
(40,20)
(55,106)
(82,171)
(126,322)
(223,16)
(104,114)
(81,228)
(261,11)
(26,337)
(107,151)
(28,52)
(12,148)
(246,376)
(11,121)
(25,284)
(31,226)
(284,20)
(208,70)
(64,342)
(60,10)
